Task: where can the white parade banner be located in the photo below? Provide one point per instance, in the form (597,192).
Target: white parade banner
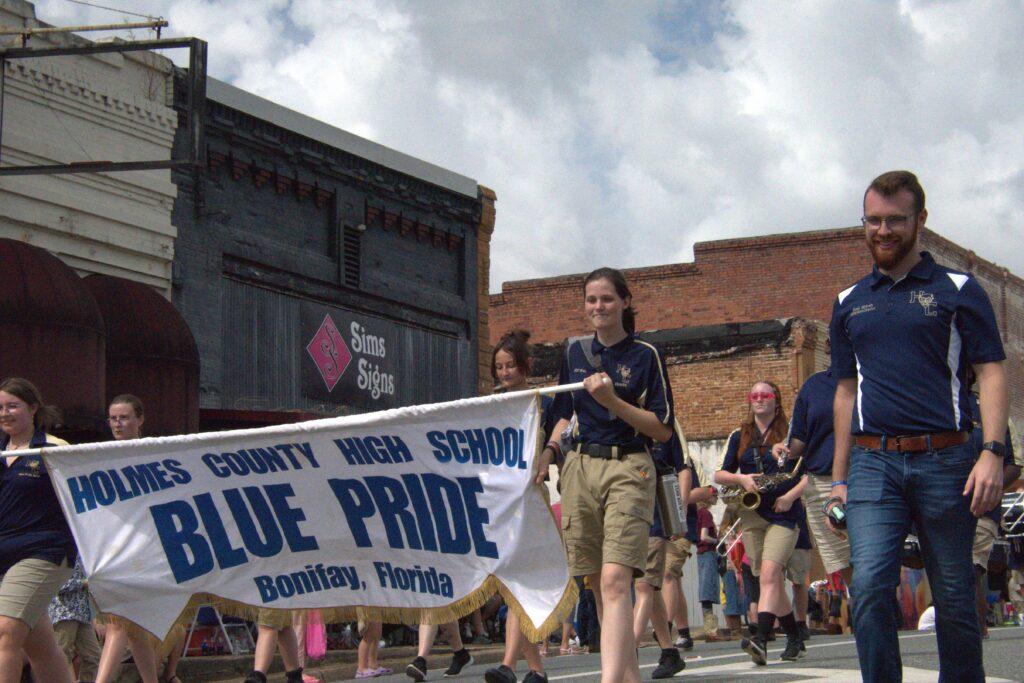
(413,514)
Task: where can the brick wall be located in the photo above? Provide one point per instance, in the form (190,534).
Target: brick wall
(759,278)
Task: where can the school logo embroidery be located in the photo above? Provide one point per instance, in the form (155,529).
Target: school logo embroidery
(624,371)
(927,301)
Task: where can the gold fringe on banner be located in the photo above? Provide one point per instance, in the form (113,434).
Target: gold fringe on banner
(281,618)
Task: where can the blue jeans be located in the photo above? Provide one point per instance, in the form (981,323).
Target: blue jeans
(888,491)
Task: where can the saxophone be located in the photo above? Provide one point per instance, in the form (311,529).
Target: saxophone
(733,495)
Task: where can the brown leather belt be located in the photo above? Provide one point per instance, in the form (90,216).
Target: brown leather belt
(911,444)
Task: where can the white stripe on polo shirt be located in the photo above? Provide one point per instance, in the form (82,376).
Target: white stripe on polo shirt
(953,361)
(860,394)
(845,293)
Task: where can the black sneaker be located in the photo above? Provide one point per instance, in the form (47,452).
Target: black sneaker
(756,649)
(417,671)
(256,677)
(536,677)
(669,664)
(500,674)
(794,650)
(803,632)
(293,676)
(684,643)
(460,660)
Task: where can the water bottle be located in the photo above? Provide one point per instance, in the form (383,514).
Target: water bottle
(670,504)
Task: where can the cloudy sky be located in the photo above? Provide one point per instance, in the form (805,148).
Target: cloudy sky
(620,133)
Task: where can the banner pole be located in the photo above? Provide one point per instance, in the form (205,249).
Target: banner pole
(546,391)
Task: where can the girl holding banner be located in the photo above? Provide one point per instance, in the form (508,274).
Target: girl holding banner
(510,366)
(608,479)
(125,417)
(37,550)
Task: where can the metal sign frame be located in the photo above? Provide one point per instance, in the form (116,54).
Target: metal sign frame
(194,106)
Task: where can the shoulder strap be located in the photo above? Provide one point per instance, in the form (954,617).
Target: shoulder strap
(585,342)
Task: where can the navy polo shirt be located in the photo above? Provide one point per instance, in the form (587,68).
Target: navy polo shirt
(803,538)
(32,525)
(812,422)
(909,343)
(978,438)
(547,417)
(637,372)
(757,459)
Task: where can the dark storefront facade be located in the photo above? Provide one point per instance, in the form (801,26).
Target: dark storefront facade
(322,274)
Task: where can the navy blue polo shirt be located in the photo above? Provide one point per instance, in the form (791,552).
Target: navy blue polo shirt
(803,538)
(909,343)
(32,525)
(757,459)
(637,372)
(812,422)
(978,438)
(547,417)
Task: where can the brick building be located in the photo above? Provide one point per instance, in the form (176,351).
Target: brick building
(732,283)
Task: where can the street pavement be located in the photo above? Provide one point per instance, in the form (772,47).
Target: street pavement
(830,659)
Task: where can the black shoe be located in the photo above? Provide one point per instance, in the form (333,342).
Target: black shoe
(417,671)
(684,643)
(752,629)
(536,677)
(794,650)
(256,677)
(803,632)
(293,676)
(500,674)
(669,664)
(460,660)
(756,649)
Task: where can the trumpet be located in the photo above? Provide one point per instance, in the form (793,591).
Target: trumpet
(1012,520)
(766,483)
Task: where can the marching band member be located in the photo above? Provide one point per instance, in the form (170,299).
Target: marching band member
(125,416)
(510,367)
(769,532)
(608,479)
(37,551)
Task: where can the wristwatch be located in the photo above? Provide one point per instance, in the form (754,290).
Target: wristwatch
(997,448)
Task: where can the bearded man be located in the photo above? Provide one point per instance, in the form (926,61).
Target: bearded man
(902,340)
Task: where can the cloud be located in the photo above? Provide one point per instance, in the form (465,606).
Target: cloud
(621,133)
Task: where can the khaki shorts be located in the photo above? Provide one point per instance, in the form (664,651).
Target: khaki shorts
(607,509)
(834,550)
(27,588)
(765,541)
(657,550)
(984,538)
(74,637)
(798,569)
(274,618)
(677,553)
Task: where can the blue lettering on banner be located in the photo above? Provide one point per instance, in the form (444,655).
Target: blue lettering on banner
(311,579)
(374,450)
(489,446)
(415,579)
(453,521)
(191,552)
(241,463)
(105,487)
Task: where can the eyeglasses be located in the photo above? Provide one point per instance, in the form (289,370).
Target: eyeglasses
(895,222)
(120,419)
(760,396)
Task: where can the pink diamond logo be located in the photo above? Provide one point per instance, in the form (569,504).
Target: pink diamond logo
(329,352)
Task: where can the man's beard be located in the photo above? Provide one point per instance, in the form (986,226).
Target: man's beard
(889,259)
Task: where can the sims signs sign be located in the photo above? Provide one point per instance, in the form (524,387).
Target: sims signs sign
(350,358)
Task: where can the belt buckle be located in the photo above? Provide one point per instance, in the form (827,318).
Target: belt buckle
(899,444)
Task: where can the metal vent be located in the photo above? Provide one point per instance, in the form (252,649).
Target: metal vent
(352,253)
